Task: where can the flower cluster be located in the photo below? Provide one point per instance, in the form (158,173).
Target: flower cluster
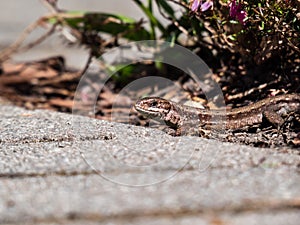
(199,5)
(235,9)
(236,12)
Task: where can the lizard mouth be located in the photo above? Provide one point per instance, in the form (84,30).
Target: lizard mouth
(150,108)
(147,113)
(160,110)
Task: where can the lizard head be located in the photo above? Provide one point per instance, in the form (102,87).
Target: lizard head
(158,109)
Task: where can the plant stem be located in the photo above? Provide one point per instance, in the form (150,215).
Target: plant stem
(153,21)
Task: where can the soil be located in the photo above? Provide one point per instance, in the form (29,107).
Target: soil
(48,84)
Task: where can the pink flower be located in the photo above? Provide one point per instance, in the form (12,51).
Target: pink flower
(196,5)
(236,12)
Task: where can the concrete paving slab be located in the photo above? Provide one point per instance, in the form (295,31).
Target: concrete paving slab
(58,197)
(250,218)
(55,168)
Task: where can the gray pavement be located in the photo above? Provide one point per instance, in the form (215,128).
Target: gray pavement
(15,16)
(59,169)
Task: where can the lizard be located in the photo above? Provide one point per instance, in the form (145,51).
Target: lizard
(178,116)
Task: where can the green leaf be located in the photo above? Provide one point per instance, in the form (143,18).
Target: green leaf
(103,22)
(53,19)
(167,8)
(150,16)
(121,72)
(233,22)
(232,37)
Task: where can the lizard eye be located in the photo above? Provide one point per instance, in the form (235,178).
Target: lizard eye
(153,104)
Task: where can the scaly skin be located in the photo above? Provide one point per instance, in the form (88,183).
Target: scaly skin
(176,115)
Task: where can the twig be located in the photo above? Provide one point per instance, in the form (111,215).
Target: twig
(15,47)
(86,66)
(181,3)
(49,6)
(6,53)
(40,39)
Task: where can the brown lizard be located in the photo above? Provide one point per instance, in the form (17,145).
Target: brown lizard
(178,116)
